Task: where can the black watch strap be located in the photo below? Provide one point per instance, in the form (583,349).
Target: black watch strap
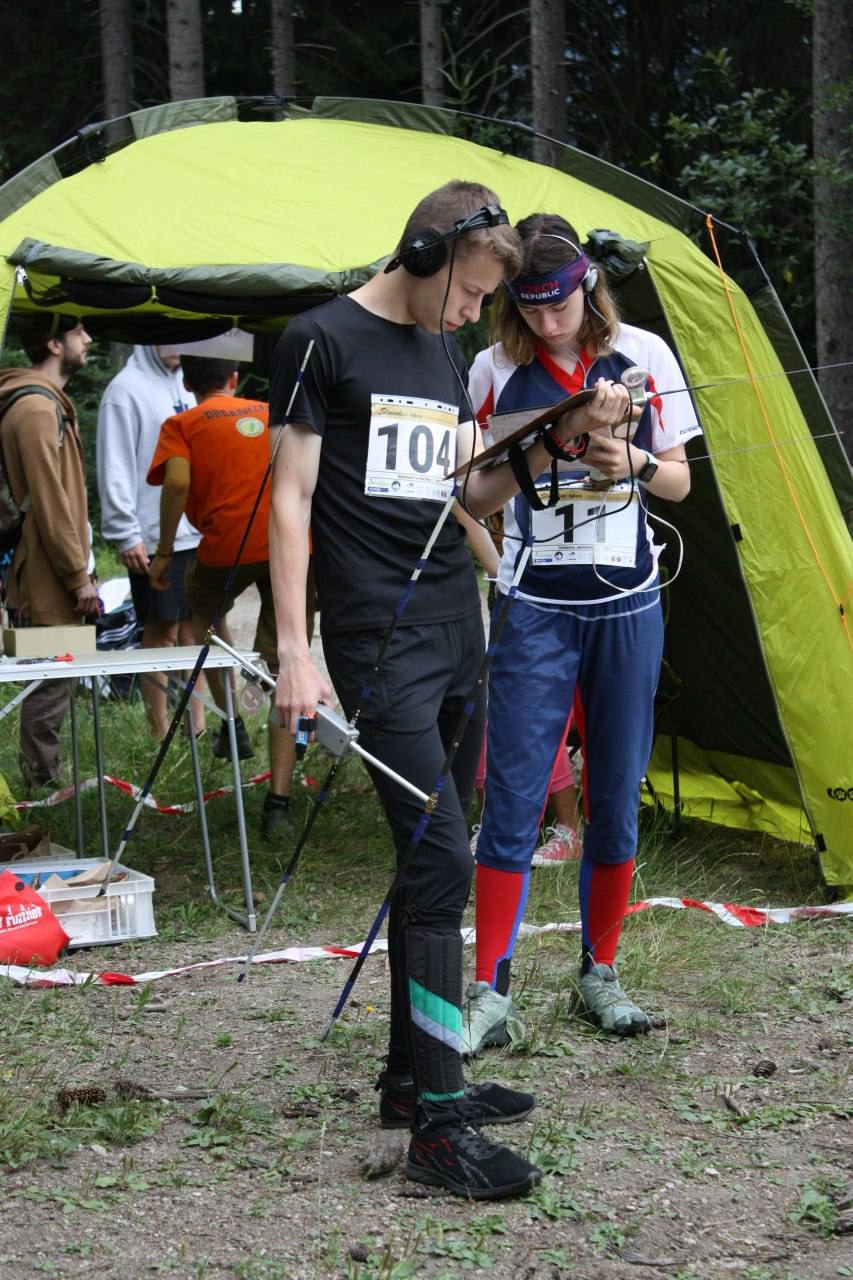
(645,473)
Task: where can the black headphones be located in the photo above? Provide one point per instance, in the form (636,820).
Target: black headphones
(424,252)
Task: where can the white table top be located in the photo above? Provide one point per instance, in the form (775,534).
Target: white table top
(113,662)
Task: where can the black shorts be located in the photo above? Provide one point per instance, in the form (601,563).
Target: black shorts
(163,606)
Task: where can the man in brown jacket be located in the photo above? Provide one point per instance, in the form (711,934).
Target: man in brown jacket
(49,582)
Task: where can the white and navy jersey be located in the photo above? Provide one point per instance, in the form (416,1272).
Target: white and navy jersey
(384,397)
(609,534)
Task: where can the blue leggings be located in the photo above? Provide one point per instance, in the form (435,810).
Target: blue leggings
(610,654)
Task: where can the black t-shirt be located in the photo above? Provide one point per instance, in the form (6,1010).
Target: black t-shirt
(366,546)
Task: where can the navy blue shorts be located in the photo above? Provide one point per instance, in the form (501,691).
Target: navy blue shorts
(163,606)
(609,654)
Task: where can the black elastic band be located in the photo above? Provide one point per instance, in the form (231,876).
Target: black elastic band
(524,480)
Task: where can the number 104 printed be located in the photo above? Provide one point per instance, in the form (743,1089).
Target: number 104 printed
(411,449)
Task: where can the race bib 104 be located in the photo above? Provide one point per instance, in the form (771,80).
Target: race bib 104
(588,526)
(411,449)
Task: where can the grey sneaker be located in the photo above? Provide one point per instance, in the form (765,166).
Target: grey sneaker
(604,1001)
(487,1019)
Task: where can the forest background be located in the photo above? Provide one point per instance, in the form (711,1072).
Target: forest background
(744,111)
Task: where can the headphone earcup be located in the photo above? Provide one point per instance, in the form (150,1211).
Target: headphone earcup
(424,252)
(590,280)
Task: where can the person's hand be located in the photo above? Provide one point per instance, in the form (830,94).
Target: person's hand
(86,599)
(135,559)
(609,456)
(298,689)
(609,406)
(158,573)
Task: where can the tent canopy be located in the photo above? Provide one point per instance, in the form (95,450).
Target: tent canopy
(186,219)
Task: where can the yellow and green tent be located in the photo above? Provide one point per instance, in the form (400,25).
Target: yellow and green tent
(182,220)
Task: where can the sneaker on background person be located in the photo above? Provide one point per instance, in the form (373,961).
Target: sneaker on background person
(562,844)
(275,815)
(221,745)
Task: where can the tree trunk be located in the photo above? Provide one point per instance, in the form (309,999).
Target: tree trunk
(432,88)
(283,56)
(832,80)
(186,55)
(117,56)
(548,75)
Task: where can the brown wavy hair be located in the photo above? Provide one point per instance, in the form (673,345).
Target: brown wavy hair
(541,253)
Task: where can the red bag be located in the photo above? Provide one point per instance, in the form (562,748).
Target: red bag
(29,931)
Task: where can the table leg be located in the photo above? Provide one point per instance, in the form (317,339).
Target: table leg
(75,774)
(251,920)
(99,768)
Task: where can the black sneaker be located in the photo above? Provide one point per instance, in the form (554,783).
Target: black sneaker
(276,817)
(221,747)
(488,1103)
(453,1154)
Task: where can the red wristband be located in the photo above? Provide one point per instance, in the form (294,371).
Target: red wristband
(575,449)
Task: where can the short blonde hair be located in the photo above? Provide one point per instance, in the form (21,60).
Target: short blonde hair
(543,249)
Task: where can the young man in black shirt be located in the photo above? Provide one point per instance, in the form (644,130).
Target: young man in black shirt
(368,446)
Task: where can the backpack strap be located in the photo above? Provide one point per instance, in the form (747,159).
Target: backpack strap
(6,404)
(34,390)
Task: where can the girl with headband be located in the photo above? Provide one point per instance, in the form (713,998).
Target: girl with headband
(585,632)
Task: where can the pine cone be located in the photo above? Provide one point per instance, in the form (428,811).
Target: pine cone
(87,1096)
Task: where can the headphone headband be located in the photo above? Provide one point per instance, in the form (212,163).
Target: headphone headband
(423,252)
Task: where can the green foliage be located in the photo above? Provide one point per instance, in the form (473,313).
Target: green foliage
(740,162)
(818,1205)
(713,103)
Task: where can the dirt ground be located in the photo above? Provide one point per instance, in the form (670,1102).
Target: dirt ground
(717,1146)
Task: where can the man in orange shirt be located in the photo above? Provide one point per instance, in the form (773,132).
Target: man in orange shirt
(211,461)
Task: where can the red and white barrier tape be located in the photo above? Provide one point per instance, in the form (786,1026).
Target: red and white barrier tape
(730,913)
(130,788)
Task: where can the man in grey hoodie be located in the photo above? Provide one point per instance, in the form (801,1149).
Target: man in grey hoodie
(148,390)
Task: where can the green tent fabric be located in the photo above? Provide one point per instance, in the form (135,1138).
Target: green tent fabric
(188,218)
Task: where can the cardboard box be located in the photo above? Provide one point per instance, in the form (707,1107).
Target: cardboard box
(47,642)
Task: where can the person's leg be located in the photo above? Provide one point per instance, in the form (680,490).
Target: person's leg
(205,592)
(530,695)
(399,725)
(154,685)
(157,634)
(275,814)
(563,842)
(42,716)
(178,607)
(165,619)
(615,718)
(186,636)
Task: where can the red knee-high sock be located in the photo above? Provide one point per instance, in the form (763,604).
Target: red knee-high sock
(499,907)
(603,905)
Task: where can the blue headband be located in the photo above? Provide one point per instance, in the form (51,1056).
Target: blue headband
(553,286)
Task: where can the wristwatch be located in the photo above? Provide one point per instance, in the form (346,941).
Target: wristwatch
(645,473)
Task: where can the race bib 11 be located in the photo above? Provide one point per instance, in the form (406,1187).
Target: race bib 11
(588,526)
